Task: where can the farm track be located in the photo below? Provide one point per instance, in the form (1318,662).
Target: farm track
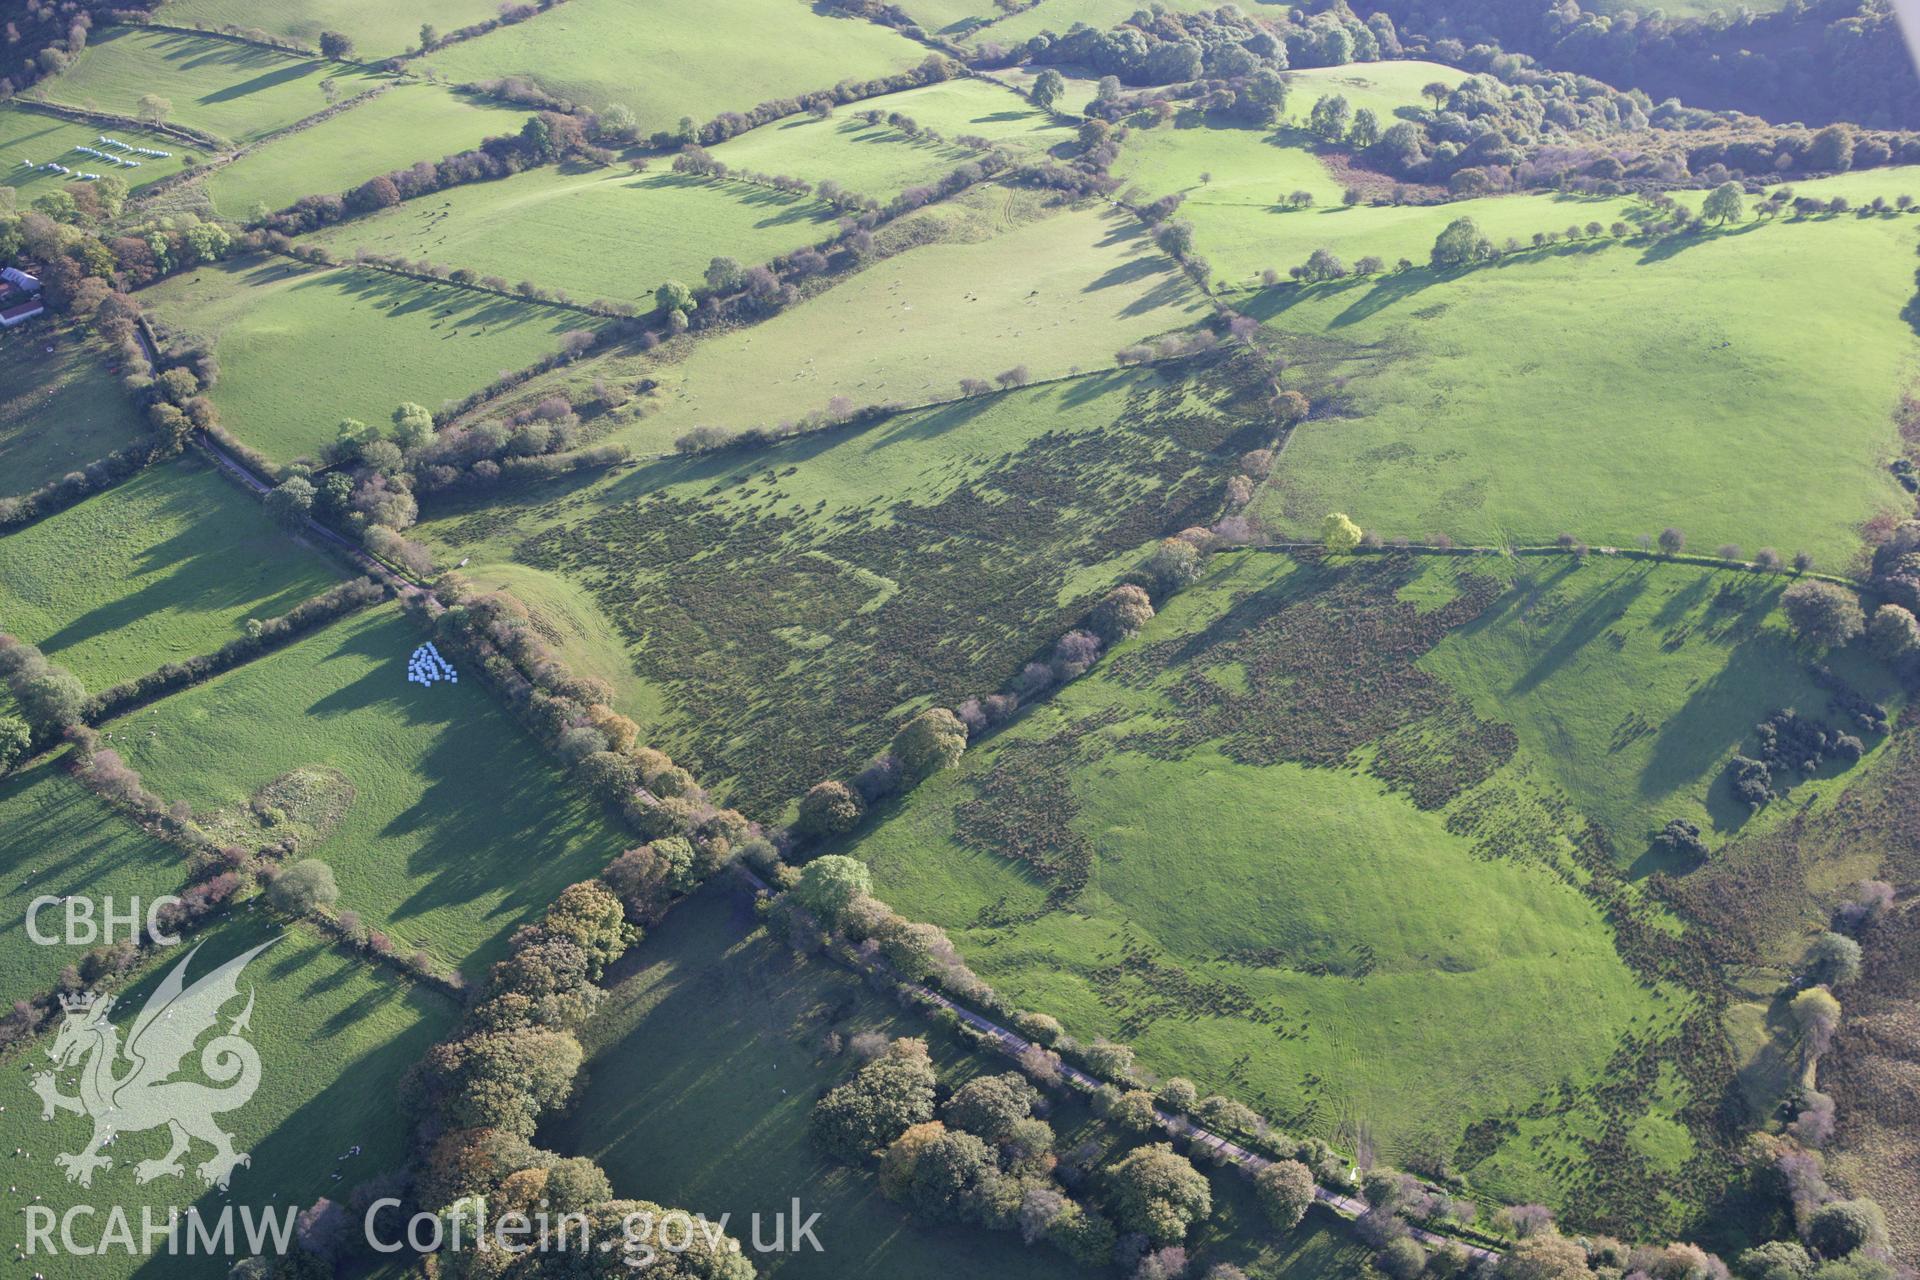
(378,570)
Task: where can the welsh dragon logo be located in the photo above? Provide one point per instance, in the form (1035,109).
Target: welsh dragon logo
(130,1088)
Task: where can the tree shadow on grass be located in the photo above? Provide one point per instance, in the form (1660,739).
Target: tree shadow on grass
(1093,386)
(1671,246)
(1719,713)
(792,208)
(924,426)
(1136,268)
(190,53)
(1173,289)
(491,813)
(1121,229)
(61,840)
(1387,291)
(261,83)
(1600,613)
(1684,601)
(702,1097)
(401,296)
(192,572)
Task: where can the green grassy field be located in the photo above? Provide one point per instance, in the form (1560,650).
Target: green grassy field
(879,160)
(334,1035)
(1469,405)
(1213,166)
(1061,15)
(597,233)
(1385,88)
(571,620)
(458,830)
(59,409)
(1059,295)
(378,29)
(301,348)
(707,1060)
(229,90)
(1242,228)
(1312,880)
(29,139)
(981,108)
(1631,684)
(724,55)
(836,582)
(164,575)
(1257,168)
(407,123)
(57,839)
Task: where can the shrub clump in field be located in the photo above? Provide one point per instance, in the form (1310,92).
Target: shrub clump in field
(307,885)
(884,1099)
(52,697)
(1793,743)
(931,741)
(1681,837)
(1822,613)
(1751,780)
(1157,1192)
(829,809)
(1286,1190)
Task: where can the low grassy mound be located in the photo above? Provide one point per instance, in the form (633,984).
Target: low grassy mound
(335,1036)
(302,804)
(301,348)
(407,123)
(997,288)
(790,606)
(1470,404)
(163,579)
(457,830)
(56,840)
(59,409)
(1290,843)
(377,28)
(29,139)
(596,233)
(726,55)
(234,91)
(952,17)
